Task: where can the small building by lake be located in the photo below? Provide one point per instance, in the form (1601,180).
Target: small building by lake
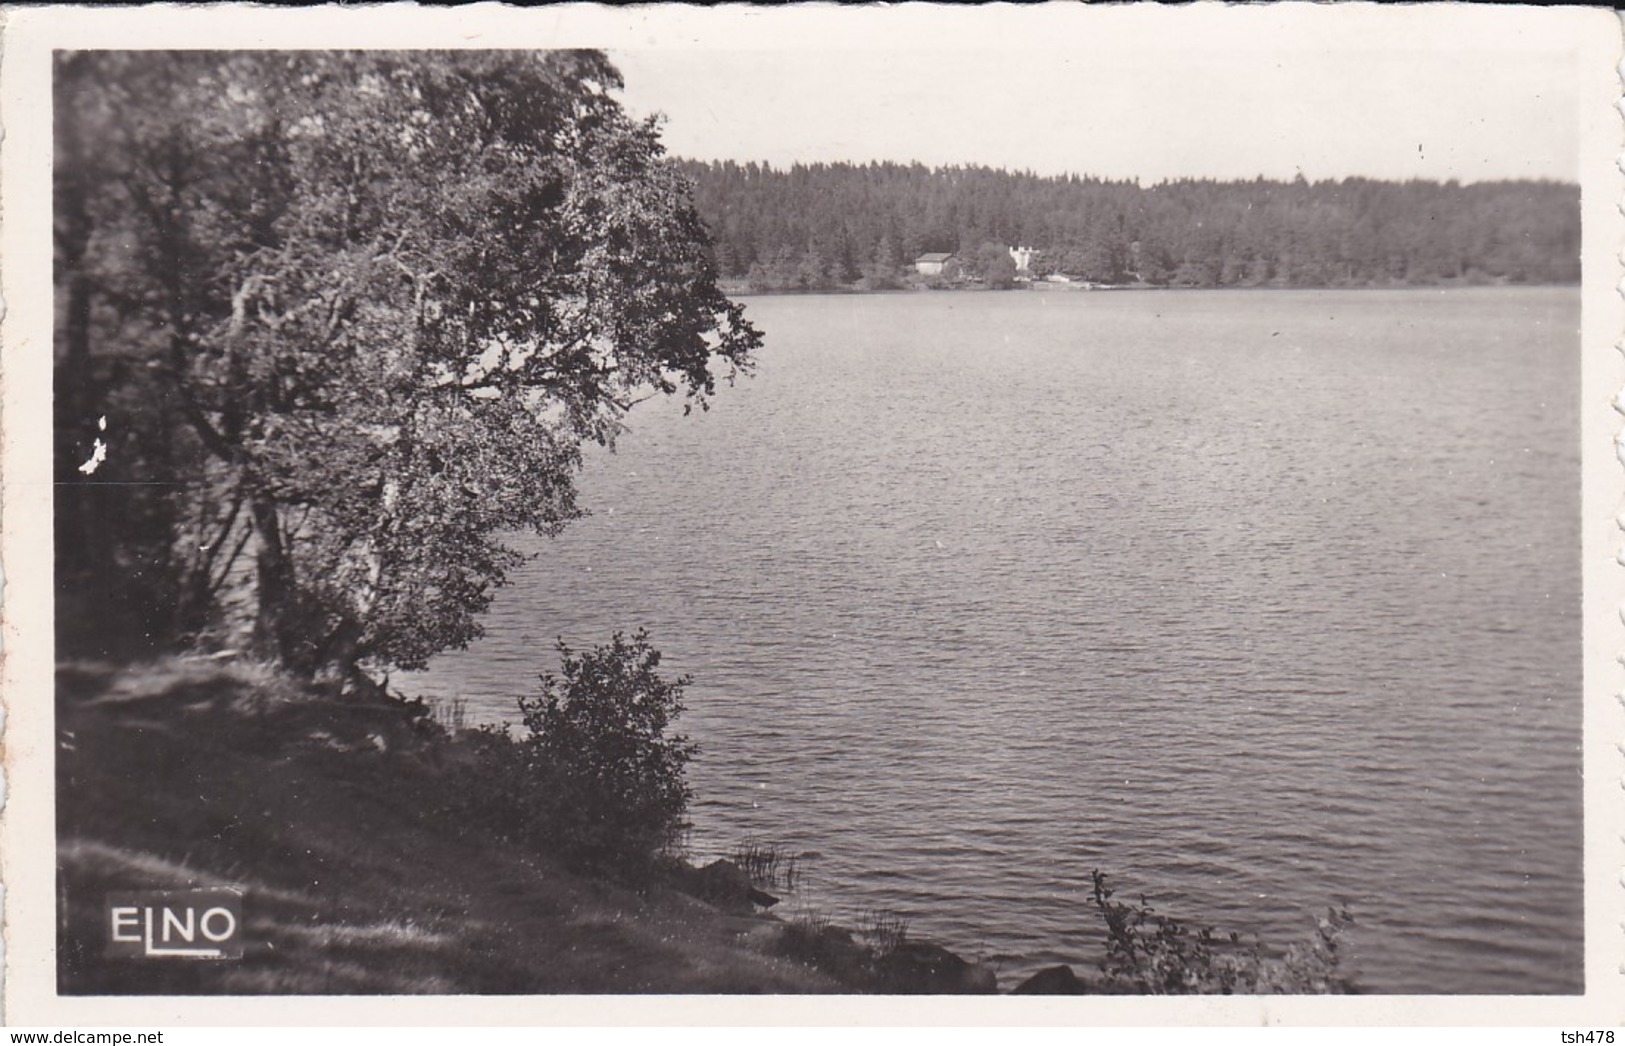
(936,263)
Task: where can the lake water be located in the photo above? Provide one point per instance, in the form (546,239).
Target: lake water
(1258,601)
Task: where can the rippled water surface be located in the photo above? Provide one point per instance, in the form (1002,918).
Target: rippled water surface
(1259,601)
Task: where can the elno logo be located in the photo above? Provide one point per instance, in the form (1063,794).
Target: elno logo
(175,924)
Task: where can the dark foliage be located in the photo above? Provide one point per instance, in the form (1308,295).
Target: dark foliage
(349,318)
(820,226)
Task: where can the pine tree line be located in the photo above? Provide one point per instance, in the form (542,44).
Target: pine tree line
(825,226)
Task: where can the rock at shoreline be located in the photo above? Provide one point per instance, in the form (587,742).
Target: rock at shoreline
(728,886)
(1056,980)
(923,968)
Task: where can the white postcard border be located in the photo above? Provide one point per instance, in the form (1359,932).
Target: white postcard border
(25,237)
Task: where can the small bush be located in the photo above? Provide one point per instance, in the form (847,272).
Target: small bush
(608,781)
(1311,967)
(594,778)
(1148,953)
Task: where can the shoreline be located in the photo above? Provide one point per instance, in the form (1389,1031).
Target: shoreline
(343,826)
(1064,288)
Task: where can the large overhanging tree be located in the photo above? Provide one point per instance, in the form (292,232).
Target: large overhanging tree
(353,317)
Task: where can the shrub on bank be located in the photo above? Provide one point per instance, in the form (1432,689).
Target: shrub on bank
(1148,953)
(597,778)
(615,786)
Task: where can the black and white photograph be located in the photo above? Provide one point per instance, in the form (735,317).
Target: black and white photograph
(881,502)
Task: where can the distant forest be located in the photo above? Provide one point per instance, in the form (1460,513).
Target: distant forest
(829,226)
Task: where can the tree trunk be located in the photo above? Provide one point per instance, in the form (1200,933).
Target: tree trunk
(277,634)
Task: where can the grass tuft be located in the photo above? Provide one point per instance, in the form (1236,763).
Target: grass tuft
(769,865)
(450,713)
(885,931)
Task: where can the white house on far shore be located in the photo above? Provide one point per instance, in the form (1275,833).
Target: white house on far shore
(933,263)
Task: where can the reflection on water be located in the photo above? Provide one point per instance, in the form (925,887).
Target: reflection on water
(1259,601)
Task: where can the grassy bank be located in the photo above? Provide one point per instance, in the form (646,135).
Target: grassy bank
(329,815)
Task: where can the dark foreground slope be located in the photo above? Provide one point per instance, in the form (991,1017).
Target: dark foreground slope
(329,816)
(347,828)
